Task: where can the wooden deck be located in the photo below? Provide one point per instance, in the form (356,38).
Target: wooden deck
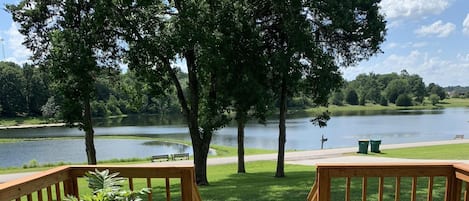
(387,181)
(54,184)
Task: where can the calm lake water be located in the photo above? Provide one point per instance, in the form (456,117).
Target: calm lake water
(342,131)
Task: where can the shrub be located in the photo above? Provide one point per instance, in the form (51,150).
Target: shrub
(434,98)
(351,97)
(404,100)
(383,101)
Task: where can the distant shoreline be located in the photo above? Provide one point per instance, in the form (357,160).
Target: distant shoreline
(32,126)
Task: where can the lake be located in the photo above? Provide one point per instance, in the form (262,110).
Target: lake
(344,130)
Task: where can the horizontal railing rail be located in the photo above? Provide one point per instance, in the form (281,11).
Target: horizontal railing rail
(56,183)
(442,180)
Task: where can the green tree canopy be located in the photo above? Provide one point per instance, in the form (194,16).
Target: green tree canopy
(351,97)
(72,39)
(12,89)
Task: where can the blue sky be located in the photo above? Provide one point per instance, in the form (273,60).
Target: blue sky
(425,37)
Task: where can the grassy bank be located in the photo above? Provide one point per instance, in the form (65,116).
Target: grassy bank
(16,121)
(451,151)
(446,103)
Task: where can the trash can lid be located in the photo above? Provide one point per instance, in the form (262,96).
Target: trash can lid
(366,140)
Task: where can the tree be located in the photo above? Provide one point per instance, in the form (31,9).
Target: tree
(72,40)
(383,101)
(312,39)
(337,98)
(395,88)
(417,87)
(436,89)
(351,97)
(36,89)
(404,100)
(159,33)
(50,109)
(12,98)
(434,99)
(240,59)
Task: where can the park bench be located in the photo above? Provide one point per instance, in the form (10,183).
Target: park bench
(160,158)
(182,156)
(459,137)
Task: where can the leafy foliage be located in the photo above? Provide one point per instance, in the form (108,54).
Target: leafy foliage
(404,100)
(108,187)
(351,97)
(434,99)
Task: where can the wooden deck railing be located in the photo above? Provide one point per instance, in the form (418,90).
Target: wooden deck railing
(56,183)
(441,181)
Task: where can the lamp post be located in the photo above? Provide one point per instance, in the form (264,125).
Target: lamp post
(3,48)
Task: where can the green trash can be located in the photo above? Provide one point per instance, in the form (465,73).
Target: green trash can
(375,146)
(363,146)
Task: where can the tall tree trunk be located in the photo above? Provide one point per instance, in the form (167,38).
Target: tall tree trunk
(200,143)
(89,133)
(201,146)
(282,130)
(241,120)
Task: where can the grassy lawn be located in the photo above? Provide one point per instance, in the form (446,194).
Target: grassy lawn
(452,151)
(259,183)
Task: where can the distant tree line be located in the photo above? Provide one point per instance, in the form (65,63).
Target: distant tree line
(28,91)
(400,89)
(458,91)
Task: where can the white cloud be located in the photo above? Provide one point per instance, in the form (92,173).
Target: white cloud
(438,28)
(465,25)
(14,49)
(413,45)
(394,9)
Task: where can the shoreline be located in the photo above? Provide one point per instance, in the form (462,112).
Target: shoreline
(25,126)
(447,103)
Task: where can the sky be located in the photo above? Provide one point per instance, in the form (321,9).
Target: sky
(425,37)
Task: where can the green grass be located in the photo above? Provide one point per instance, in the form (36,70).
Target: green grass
(455,102)
(258,184)
(452,102)
(23,121)
(451,151)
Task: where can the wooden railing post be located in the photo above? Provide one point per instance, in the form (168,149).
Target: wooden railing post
(187,182)
(71,187)
(324,184)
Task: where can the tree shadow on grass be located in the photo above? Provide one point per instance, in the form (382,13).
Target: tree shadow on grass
(260,186)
